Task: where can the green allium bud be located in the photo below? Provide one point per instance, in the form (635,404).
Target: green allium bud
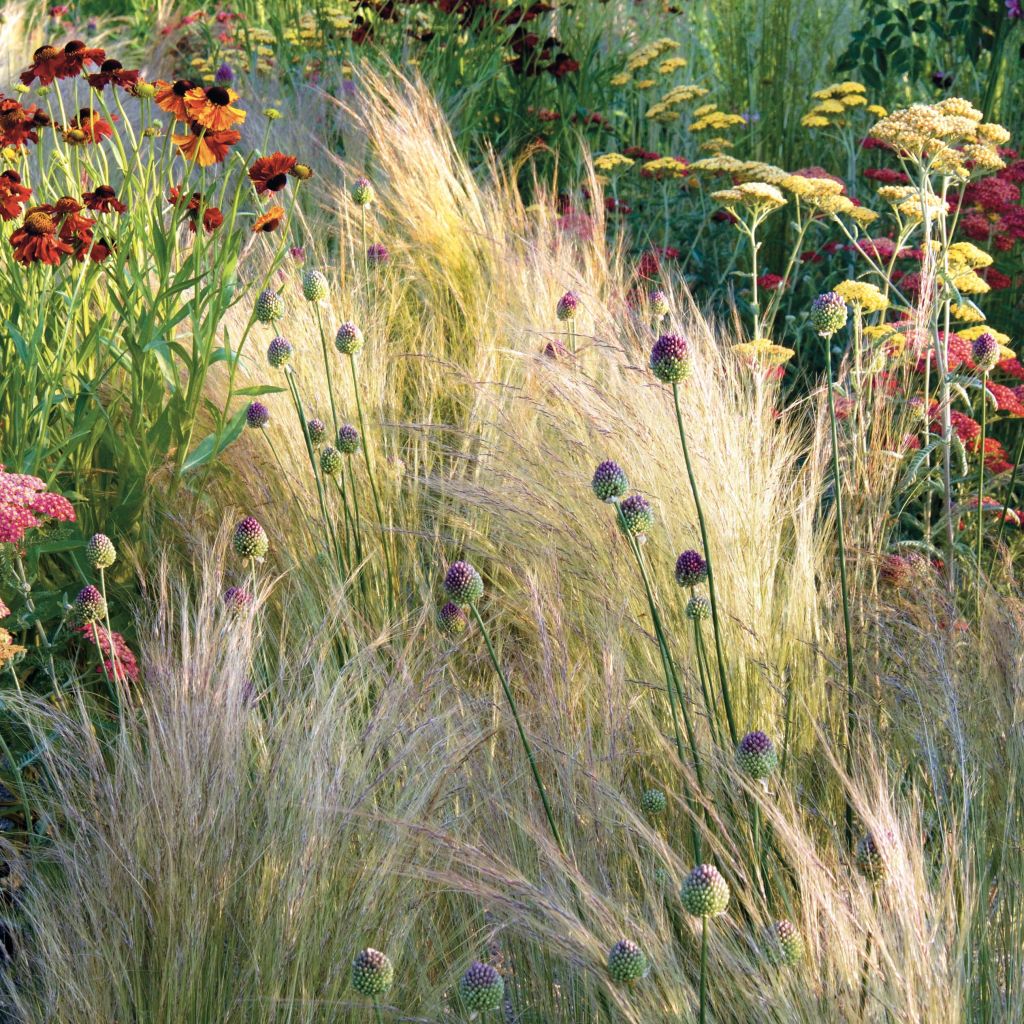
(783,945)
(756,756)
(348,439)
(637,515)
(609,481)
(481,988)
(279,353)
(627,963)
(349,339)
(705,893)
(653,802)
(314,286)
(362,192)
(250,540)
(463,584)
(698,608)
(451,619)
(828,314)
(331,460)
(372,973)
(269,307)
(100,552)
(871,855)
(670,359)
(89,605)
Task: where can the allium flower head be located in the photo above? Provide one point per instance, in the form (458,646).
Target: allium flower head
(705,893)
(783,944)
(250,540)
(756,755)
(269,307)
(331,460)
(609,481)
(237,599)
(659,303)
(349,339)
(691,569)
(451,619)
(348,439)
(637,515)
(279,353)
(372,973)
(670,359)
(100,552)
(698,609)
(257,415)
(828,314)
(377,254)
(985,352)
(627,962)
(314,285)
(463,583)
(224,75)
(362,192)
(567,305)
(896,571)
(317,430)
(89,605)
(871,856)
(482,988)
(653,802)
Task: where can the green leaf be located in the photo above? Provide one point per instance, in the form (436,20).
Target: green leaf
(210,446)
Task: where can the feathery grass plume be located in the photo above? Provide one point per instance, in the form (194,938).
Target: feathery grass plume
(481,987)
(100,552)
(627,963)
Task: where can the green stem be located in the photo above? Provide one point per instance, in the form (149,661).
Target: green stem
(981,497)
(703,970)
(327,369)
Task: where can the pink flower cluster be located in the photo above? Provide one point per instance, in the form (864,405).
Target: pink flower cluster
(23,499)
(119,660)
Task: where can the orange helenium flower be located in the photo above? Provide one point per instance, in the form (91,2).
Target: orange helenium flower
(206,147)
(212,108)
(269,221)
(36,240)
(270,173)
(170,96)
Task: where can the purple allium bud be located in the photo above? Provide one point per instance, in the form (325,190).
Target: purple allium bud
(317,430)
(698,609)
(237,599)
(257,415)
(756,755)
(314,285)
(100,552)
(896,571)
(705,893)
(828,314)
(349,339)
(250,540)
(567,305)
(609,481)
(637,515)
(451,619)
(279,353)
(297,253)
(659,303)
(670,359)
(653,802)
(783,945)
(872,855)
(372,973)
(985,352)
(348,439)
(482,988)
(89,605)
(362,192)
(377,254)
(331,460)
(224,75)
(627,962)
(269,307)
(691,569)
(463,583)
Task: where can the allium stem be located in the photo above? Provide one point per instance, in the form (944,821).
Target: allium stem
(838,499)
(733,735)
(519,725)
(703,969)
(327,367)
(981,497)
(705,680)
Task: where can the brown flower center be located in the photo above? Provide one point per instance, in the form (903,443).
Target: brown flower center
(218,96)
(38,222)
(277,182)
(45,53)
(111,65)
(182,86)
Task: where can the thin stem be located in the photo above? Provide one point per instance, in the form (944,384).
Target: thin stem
(327,368)
(981,496)
(703,970)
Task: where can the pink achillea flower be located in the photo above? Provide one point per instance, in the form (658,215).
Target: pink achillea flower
(23,499)
(118,657)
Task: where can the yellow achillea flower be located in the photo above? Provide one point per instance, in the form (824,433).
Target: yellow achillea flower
(763,353)
(814,121)
(8,648)
(665,167)
(968,254)
(705,109)
(683,94)
(646,83)
(612,163)
(845,88)
(862,294)
(666,67)
(723,164)
(760,193)
(862,215)
(853,99)
(622,79)
(715,144)
(967,282)
(662,114)
(877,110)
(829,107)
(811,189)
(717,120)
(967,312)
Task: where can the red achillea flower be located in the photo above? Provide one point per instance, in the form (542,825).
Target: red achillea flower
(1011,367)
(36,241)
(967,429)
(89,126)
(810,256)
(770,282)
(113,72)
(270,173)
(613,205)
(22,500)
(13,195)
(206,147)
(976,226)
(547,116)
(119,661)
(103,200)
(881,249)
(269,221)
(996,279)
(1006,399)
(212,108)
(887,176)
(76,56)
(170,97)
(639,153)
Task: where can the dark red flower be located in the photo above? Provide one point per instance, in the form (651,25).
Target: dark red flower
(113,72)
(36,241)
(270,173)
(13,195)
(103,200)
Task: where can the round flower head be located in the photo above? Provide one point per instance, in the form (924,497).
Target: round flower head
(331,460)
(317,430)
(377,254)
(269,307)
(100,552)
(349,339)
(224,75)
(627,962)
(372,973)
(314,286)
(698,608)
(237,599)
(567,306)
(670,359)
(463,583)
(783,944)
(257,415)
(756,755)
(896,571)
(653,802)
(89,605)
(985,352)
(705,893)
(828,314)
(659,303)
(348,439)
(637,515)
(871,860)
(279,353)
(250,540)
(451,619)
(609,481)
(691,569)
(481,988)
(362,192)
